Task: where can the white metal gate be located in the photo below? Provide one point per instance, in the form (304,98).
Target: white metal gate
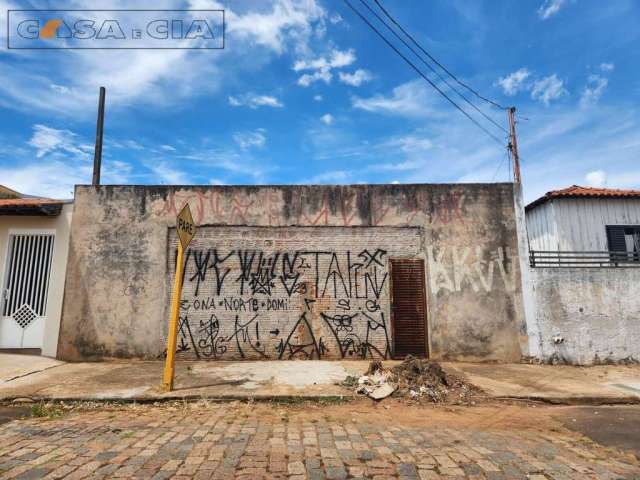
(26,284)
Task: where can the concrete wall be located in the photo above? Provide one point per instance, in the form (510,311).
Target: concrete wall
(123,247)
(595,311)
(47,337)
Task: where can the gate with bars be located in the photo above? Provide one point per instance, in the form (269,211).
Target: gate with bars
(25,289)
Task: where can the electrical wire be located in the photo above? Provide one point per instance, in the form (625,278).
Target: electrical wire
(495,104)
(364,19)
(431,68)
(509,162)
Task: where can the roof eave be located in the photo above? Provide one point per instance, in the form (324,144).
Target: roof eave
(46,210)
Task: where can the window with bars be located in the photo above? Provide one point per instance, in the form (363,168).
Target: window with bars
(624,241)
(27,273)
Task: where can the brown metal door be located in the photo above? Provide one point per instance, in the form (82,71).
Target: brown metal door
(408,308)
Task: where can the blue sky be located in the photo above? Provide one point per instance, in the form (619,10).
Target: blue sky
(304,92)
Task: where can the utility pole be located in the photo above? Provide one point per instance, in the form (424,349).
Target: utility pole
(97,154)
(513,144)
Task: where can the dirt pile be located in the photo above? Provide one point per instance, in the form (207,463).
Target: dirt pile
(417,380)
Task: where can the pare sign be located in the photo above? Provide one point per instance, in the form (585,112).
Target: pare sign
(186,227)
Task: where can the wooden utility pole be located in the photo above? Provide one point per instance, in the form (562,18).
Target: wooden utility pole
(97,153)
(513,144)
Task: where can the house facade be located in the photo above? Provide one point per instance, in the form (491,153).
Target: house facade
(297,272)
(34,242)
(584,277)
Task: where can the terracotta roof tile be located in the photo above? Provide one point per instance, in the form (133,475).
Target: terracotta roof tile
(30,206)
(578,191)
(28,202)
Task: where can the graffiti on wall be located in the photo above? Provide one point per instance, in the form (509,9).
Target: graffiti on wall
(453,269)
(302,304)
(265,208)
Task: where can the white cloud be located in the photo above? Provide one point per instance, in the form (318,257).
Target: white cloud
(168,148)
(69,86)
(334,176)
(411,99)
(594,89)
(547,89)
(327,119)
(337,59)
(607,67)
(320,68)
(404,166)
(317,98)
(356,78)
(254,101)
(309,78)
(412,143)
(246,140)
(63,160)
(596,178)
(133,145)
(550,8)
(335,18)
(53,178)
(229,162)
(287,20)
(168,174)
(115,171)
(514,82)
(46,140)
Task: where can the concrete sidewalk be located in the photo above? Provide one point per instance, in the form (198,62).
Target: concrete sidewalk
(24,376)
(603,384)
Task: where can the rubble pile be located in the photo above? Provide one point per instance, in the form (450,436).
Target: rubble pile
(414,379)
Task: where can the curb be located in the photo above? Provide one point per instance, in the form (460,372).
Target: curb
(288,399)
(576,401)
(297,399)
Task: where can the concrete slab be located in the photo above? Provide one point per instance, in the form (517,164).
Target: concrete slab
(13,366)
(141,380)
(555,383)
(40,378)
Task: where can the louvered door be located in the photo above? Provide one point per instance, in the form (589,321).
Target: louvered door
(408,308)
(25,290)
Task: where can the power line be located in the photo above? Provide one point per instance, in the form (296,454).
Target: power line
(422,74)
(495,104)
(508,157)
(431,68)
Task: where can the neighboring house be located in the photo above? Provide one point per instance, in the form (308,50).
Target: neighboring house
(586,220)
(34,241)
(584,244)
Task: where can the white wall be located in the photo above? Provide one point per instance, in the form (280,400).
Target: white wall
(61,224)
(595,310)
(578,224)
(541,227)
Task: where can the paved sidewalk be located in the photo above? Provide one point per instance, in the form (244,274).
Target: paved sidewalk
(223,441)
(555,383)
(140,380)
(39,378)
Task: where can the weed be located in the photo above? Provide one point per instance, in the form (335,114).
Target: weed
(46,410)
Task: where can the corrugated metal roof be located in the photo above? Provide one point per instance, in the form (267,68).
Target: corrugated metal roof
(581,192)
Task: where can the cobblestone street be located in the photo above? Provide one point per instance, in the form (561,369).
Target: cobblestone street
(252,441)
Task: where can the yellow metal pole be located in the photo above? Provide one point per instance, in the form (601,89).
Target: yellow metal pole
(172,339)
